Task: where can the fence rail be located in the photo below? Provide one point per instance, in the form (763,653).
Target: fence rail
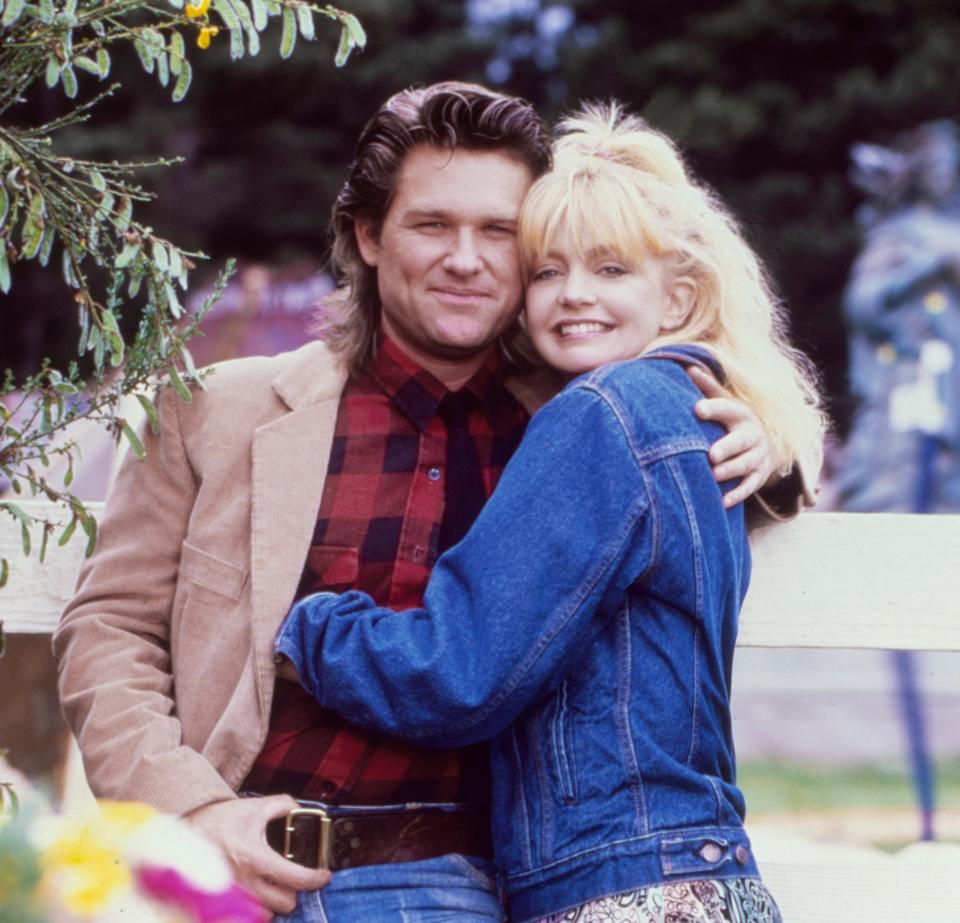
(830,580)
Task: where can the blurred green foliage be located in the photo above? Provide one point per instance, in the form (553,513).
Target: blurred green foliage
(766,97)
(71,218)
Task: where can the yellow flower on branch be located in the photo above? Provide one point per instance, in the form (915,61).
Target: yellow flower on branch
(206,33)
(195,11)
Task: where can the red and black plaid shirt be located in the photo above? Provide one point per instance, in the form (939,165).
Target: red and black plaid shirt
(377,531)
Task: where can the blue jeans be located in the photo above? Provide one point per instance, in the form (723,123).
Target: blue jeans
(448,889)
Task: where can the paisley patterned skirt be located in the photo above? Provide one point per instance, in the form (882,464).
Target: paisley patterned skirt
(733,900)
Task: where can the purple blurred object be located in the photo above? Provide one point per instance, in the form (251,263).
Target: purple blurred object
(263,311)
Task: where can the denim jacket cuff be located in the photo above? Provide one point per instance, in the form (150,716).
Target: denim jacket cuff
(291,635)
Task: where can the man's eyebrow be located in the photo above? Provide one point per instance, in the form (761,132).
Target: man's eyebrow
(427,211)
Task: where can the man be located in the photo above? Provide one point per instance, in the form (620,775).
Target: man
(344,464)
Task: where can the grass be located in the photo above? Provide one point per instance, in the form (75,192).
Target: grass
(776,787)
(869,805)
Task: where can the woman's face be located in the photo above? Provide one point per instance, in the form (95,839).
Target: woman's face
(585,311)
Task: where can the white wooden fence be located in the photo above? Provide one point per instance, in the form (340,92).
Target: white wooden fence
(831,580)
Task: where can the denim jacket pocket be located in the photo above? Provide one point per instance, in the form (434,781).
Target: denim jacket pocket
(563,757)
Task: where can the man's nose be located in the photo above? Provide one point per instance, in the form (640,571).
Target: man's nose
(464,257)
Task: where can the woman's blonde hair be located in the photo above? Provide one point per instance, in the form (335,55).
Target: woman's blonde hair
(620,186)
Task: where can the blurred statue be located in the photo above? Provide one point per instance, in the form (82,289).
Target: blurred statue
(902,309)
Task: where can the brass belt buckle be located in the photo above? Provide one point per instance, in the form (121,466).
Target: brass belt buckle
(325,839)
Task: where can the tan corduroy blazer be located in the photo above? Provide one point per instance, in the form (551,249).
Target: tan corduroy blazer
(166,651)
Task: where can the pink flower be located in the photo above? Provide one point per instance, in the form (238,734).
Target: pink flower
(233,905)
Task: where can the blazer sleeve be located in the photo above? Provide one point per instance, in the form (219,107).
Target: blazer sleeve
(509,610)
(112,643)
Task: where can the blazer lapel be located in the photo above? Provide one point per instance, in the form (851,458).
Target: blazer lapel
(290,459)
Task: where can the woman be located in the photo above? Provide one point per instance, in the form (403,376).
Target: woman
(588,620)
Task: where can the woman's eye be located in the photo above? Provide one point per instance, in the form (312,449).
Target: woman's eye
(540,275)
(612,271)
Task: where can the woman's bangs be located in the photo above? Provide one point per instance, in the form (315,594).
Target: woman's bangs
(542,214)
(601,215)
(609,216)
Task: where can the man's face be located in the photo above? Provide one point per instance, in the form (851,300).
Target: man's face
(448,268)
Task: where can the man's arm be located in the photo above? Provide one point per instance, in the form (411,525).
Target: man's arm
(116,682)
(113,640)
(746,452)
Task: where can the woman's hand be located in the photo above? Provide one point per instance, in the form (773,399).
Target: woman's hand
(745,452)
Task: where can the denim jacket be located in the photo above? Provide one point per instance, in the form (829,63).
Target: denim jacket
(587,624)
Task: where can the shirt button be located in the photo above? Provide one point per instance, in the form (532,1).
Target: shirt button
(433,474)
(742,855)
(711,853)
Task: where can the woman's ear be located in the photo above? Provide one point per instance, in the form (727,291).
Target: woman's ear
(681,298)
(368,242)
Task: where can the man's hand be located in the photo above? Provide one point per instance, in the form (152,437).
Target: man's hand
(745,452)
(238,827)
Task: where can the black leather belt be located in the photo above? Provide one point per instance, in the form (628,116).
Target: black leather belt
(336,837)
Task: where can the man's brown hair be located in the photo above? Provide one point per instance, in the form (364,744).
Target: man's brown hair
(444,115)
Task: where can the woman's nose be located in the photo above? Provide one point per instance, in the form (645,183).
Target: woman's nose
(577,294)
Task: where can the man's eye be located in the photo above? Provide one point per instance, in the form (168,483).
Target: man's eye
(501,230)
(431,225)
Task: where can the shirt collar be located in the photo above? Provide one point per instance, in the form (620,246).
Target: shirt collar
(418,394)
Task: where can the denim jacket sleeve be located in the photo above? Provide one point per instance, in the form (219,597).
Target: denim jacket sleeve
(509,610)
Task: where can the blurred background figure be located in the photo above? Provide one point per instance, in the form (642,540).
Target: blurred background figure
(902,310)
(265,310)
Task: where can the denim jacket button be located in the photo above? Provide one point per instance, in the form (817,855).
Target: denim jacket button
(711,853)
(742,855)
